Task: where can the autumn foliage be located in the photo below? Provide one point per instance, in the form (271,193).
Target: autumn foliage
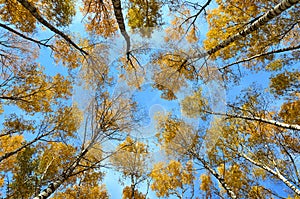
(226,73)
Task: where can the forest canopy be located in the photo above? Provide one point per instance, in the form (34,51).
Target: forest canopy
(141,99)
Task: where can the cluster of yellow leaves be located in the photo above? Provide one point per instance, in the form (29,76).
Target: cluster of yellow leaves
(259,192)
(225,21)
(55,157)
(136,19)
(206,183)
(127,194)
(17,124)
(144,15)
(259,132)
(289,112)
(293,197)
(8,144)
(24,181)
(171,177)
(132,146)
(173,74)
(285,83)
(33,91)
(275,65)
(68,121)
(130,158)
(193,105)
(233,176)
(59,12)
(13,12)
(174,135)
(83,191)
(67,55)
(100,17)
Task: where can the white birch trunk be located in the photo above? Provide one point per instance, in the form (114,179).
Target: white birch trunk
(275,173)
(259,119)
(264,19)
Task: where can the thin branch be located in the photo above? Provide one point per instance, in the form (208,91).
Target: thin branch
(195,16)
(261,55)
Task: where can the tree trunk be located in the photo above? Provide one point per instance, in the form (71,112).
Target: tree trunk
(121,23)
(52,187)
(214,173)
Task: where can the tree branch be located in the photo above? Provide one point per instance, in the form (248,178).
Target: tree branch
(36,14)
(259,119)
(261,55)
(24,36)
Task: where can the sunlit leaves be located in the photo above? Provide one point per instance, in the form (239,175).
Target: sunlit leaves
(24,181)
(67,55)
(83,192)
(100,17)
(60,12)
(88,187)
(130,158)
(9,143)
(174,73)
(285,83)
(206,184)
(127,194)
(54,157)
(16,14)
(275,65)
(290,112)
(172,178)
(33,91)
(194,104)
(232,17)
(175,136)
(144,16)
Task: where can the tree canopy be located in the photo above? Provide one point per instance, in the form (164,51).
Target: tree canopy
(178,99)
